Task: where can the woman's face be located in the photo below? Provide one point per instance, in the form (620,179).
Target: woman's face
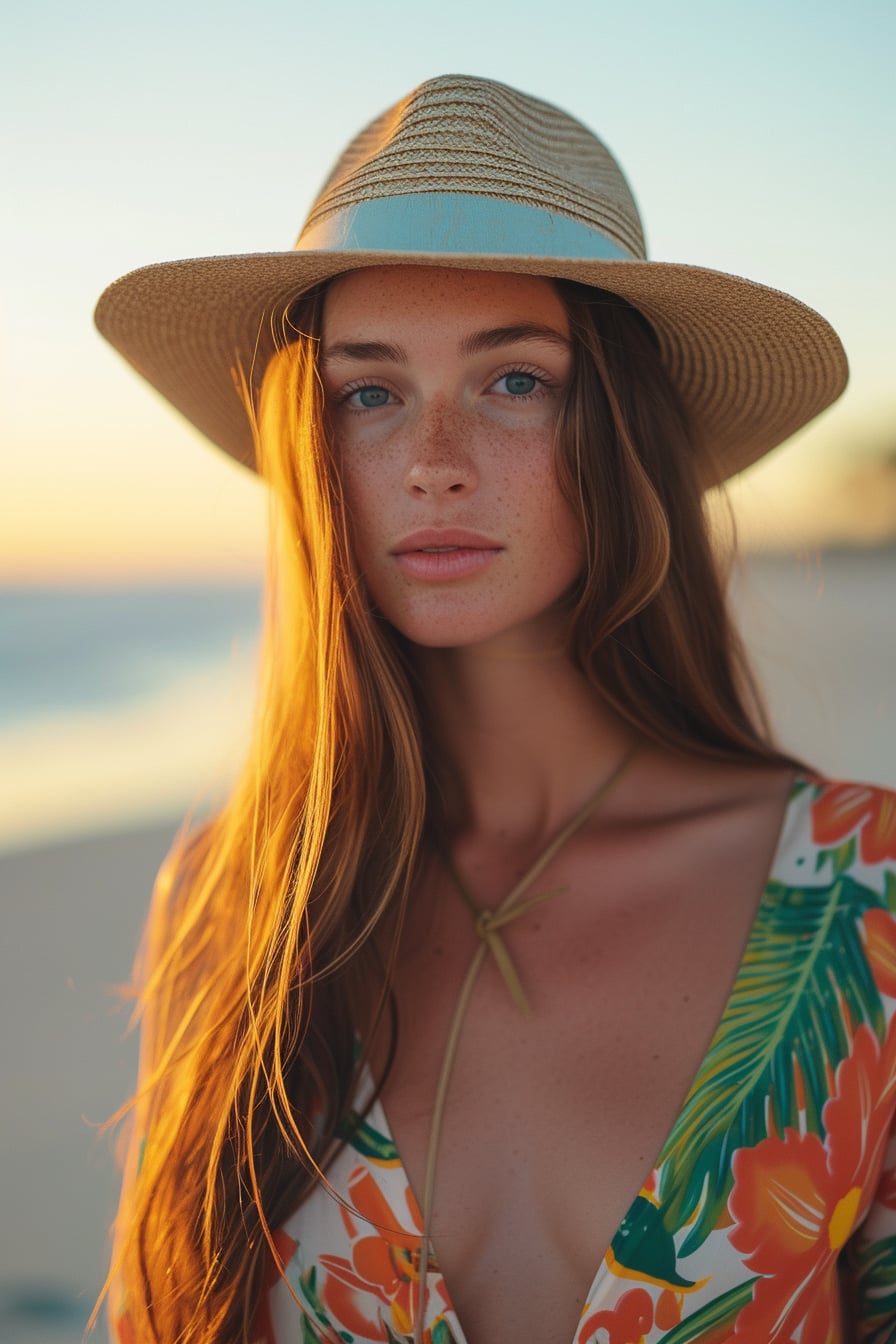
(444,389)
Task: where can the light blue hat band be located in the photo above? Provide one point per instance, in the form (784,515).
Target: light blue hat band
(457,222)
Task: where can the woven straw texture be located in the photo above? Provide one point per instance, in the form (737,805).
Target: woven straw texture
(751,365)
(484,139)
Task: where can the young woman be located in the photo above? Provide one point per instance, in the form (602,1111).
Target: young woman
(523,988)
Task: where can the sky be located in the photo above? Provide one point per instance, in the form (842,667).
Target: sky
(757,137)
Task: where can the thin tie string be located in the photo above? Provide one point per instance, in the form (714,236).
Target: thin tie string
(488,924)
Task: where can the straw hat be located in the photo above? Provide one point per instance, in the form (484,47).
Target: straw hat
(469,173)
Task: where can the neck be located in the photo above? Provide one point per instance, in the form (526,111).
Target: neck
(523,736)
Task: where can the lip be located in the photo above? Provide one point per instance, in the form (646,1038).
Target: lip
(446,536)
(472,553)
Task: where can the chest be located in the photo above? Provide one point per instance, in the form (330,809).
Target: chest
(553,1122)
(770,1188)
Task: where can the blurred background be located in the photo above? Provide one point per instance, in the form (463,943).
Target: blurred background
(758,139)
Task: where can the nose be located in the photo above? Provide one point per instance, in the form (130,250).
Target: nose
(440,459)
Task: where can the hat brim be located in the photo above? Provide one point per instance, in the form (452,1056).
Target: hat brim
(752,365)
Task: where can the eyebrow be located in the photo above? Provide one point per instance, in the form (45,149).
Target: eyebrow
(474,344)
(364,350)
(493,337)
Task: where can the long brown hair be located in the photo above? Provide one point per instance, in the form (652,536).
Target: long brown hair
(259,965)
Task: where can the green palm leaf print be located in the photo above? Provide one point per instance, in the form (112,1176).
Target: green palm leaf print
(876,1290)
(722,1311)
(368,1141)
(803,989)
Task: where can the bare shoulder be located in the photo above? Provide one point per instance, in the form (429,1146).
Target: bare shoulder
(699,813)
(683,785)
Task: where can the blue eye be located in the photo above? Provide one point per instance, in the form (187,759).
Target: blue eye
(371,397)
(520,384)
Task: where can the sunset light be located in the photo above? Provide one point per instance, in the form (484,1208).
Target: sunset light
(757,137)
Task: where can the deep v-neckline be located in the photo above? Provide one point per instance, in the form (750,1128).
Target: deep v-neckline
(376,1115)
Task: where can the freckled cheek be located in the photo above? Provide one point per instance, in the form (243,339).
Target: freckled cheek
(527,482)
(367,506)
(556,524)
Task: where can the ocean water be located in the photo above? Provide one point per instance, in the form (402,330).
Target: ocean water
(119,705)
(65,651)
(122,705)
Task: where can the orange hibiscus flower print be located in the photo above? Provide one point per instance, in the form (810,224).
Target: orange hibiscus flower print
(797,1199)
(626,1323)
(382,1276)
(844,809)
(880,949)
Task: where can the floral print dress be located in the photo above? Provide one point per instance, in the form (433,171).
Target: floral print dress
(770,1217)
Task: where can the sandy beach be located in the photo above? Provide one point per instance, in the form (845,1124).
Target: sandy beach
(823,638)
(72,917)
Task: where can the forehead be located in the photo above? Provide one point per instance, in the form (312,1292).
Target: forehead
(431,296)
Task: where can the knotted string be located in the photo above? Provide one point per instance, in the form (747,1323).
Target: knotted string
(488,924)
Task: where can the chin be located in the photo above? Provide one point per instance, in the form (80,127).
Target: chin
(531,632)
(441,635)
